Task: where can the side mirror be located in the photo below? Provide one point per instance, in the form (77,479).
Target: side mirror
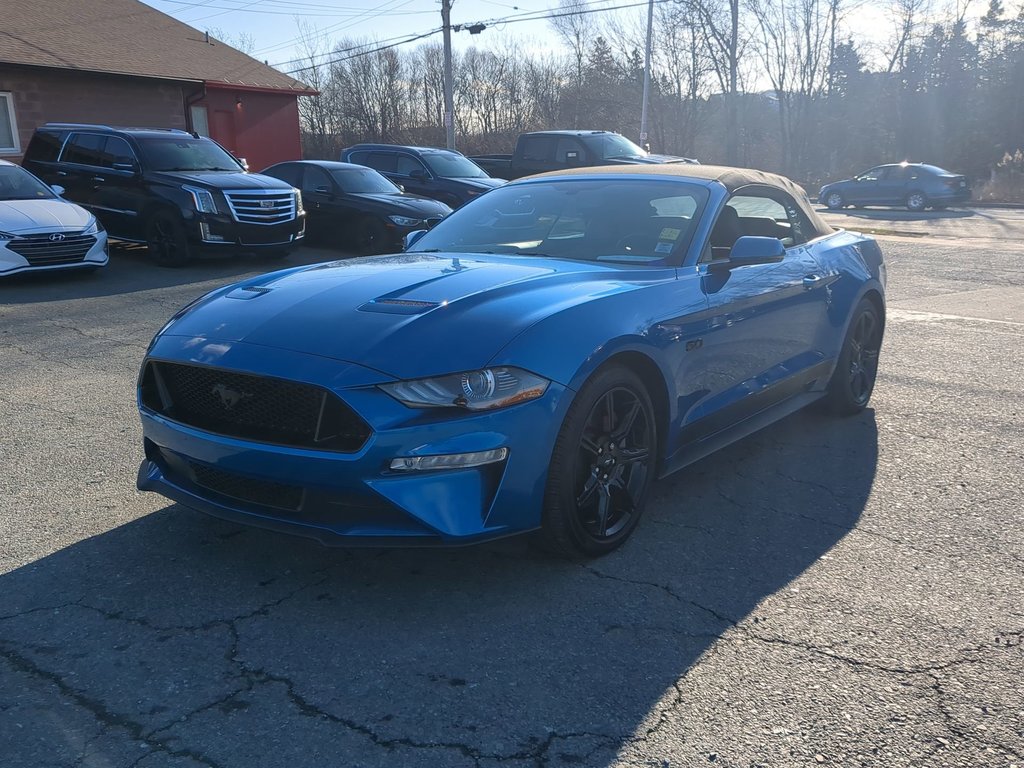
(756,250)
(243,163)
(401,187)
(412,237)
(58,190)
(419,174)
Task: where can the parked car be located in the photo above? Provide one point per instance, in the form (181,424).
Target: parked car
(40,231)
(179,193)
(533,362)
(914,185)
(355,205)
(441,174)
(542,151)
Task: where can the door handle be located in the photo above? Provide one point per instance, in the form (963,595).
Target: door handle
(812,280)
(98,178)
(62,173)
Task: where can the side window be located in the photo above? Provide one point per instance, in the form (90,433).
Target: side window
(538,148)
(381,161)
(84,149)
(289,173)
(406,164)
(569,151)
(359,158)
(875,174)
(314,177)
(45,146)
(116,150)
(770,215)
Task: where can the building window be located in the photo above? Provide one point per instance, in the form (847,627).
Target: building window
(200,121)
(9,143)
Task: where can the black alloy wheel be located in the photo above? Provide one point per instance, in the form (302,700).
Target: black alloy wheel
(854,378)
(602,466)
(371,236)
(167,240)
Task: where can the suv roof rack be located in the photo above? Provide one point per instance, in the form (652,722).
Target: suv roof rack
(96,126)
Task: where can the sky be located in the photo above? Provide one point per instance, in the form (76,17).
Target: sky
(273,25)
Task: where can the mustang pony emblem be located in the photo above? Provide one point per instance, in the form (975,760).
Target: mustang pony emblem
(229,398)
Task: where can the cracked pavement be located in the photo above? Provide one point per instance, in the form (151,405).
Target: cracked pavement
(827,592)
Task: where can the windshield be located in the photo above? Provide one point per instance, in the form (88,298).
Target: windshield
(18,184)
(363,181)
(186,154)
(449,165)
(624,220)
(610,145)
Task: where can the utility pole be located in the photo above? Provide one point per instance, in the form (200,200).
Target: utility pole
(647,75)
(449,101)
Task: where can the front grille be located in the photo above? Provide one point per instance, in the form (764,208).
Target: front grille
(42,251)
(248,489)
(258,408)
(262,206)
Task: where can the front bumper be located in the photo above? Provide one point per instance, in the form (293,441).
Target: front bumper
(221,232)
(97,255)
(355,498)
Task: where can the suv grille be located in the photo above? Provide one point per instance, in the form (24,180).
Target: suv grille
(250,407)
(262,206)
(41,251)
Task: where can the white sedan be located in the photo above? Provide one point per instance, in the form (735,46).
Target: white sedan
(40,231)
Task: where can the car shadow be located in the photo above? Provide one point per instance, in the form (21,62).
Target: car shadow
(187,636)
(890,214)
(131,270)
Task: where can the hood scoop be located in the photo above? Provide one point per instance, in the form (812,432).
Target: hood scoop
(248,292)
(398,306)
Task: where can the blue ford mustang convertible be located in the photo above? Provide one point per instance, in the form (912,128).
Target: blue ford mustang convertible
(532,363)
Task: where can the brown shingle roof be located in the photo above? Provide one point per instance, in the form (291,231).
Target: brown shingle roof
(126,37)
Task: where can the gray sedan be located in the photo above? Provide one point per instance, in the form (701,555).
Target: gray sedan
(914,185)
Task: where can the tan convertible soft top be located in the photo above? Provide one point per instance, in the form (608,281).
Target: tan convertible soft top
(731,178)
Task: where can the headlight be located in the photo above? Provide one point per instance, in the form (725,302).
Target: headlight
(299,210)
(474,390)
(203,199)
(94,227)
(405,221)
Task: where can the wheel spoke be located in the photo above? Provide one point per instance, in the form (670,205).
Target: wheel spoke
(589,488)
(627,423)
(633,455)
(604,504)
(587,443)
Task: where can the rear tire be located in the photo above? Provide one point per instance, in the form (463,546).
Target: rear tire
(601,467)
(916,202)
(167,240)
(853,380)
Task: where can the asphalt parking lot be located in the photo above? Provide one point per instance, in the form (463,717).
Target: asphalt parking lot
(827,592)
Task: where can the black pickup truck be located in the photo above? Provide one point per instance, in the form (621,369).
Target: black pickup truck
(178,192)
(543,151)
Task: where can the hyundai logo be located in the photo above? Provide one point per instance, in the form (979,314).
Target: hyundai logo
(56,237)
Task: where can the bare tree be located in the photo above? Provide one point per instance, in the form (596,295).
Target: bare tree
(578,31)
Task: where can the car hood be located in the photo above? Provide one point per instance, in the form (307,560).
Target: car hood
(26,216)
(408,315)
(482,183)
(224,179)
(407,205)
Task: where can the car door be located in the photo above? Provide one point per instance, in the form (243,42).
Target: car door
(570,153)
(892,188)
(767,321)
(79,162)
(117,190)
(320,199)
(536,154)
(866,188)
(413,175)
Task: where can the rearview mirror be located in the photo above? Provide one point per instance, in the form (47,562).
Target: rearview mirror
(411,238)
(756,250)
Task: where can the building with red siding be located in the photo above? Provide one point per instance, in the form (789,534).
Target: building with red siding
(121,62)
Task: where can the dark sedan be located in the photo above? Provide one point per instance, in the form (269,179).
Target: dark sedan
(355,206)
(914,185)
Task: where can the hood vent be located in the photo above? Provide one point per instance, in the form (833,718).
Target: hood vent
(398,306)
(248,292)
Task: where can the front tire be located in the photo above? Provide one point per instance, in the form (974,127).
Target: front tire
(853,380)
(167,240)
(601,468)
(371,236)
(916,202)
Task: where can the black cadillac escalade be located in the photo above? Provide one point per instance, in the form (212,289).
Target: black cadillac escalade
(177,192)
